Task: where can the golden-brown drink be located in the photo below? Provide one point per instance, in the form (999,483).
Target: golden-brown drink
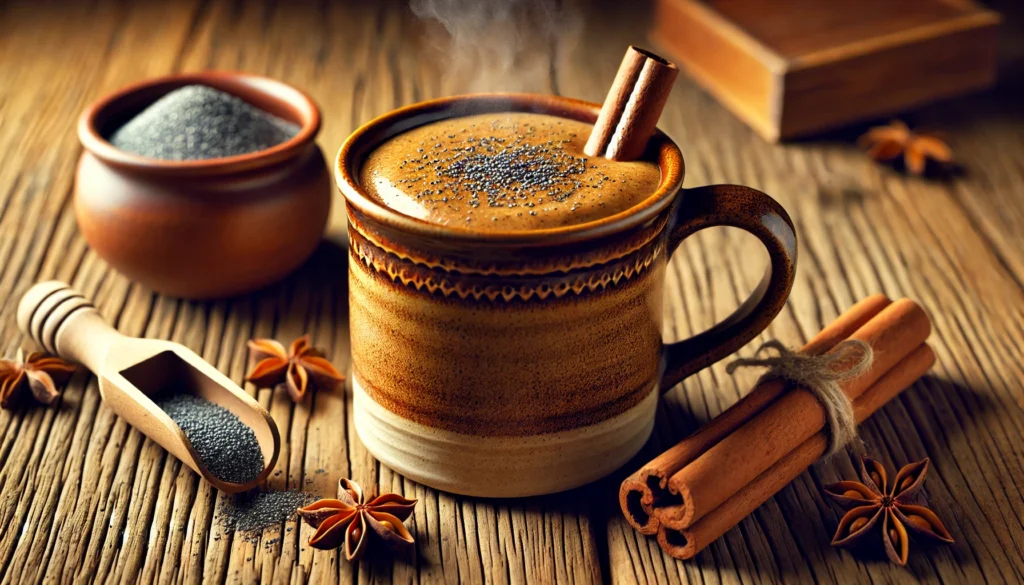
(503,172)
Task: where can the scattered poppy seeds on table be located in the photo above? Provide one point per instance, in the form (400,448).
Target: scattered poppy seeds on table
(198,122)
(247,513)
(226,445)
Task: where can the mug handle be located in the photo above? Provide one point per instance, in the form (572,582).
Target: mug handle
(760,215)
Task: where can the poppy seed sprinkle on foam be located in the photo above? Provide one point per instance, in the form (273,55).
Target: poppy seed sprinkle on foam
(226,445)
(199,122)
(508,171)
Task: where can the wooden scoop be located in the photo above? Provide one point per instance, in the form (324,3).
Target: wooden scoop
(131,370)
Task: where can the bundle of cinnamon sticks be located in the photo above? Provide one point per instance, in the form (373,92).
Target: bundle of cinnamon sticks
(697,490)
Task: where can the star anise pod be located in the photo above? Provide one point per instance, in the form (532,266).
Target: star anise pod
(297,367)
(41,373)
(886,143)
(352,521)
(878,501)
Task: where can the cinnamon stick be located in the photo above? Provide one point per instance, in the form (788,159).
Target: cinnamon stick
(648,487)
(739,458)
(686,543)
(629,115)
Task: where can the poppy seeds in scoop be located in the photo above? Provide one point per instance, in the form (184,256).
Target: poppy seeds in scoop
(226,445)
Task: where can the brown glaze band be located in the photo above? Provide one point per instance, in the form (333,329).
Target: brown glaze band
(522,426)
(508,368)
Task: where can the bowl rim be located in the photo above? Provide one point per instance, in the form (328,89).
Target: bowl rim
(96,144)
(670,159)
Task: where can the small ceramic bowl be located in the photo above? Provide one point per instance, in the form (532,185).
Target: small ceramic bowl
(203,228)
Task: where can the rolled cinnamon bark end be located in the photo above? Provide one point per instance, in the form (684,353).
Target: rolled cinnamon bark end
(677,516)
(641,494)
(635,499)
(630,113)
(679,544)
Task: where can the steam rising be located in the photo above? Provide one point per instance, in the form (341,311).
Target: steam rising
(503,45)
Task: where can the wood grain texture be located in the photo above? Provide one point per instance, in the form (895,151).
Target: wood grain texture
(85,497)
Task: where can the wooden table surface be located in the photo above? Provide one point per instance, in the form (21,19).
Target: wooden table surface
(83,495)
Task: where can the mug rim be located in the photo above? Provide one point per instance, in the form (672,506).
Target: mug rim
(670,161)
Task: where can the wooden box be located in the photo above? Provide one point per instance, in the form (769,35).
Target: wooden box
(793,67)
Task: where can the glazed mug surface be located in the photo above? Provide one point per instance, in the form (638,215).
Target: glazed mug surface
(507,364)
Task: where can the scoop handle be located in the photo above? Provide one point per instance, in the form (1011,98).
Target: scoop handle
(65,323)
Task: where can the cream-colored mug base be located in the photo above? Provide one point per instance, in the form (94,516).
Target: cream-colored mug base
(501,466)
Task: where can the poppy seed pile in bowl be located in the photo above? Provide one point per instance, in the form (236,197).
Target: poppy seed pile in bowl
(198,122)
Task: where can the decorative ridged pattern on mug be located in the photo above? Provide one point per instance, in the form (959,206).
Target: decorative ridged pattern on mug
(466,287)
(568,259)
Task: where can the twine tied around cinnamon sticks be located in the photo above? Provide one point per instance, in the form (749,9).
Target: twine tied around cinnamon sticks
(704,485)
(821,375)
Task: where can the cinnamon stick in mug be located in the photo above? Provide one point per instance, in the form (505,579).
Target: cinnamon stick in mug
(629,115)
(686,543)
(647,487)
(732,463)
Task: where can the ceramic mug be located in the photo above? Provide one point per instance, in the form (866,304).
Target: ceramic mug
(510,364)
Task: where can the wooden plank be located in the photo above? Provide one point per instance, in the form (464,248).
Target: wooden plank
(85,496)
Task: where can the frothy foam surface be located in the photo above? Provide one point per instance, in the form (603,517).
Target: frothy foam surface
(503,172)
